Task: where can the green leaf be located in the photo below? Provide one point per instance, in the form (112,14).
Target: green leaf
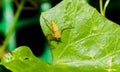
(92,44)
(23,60)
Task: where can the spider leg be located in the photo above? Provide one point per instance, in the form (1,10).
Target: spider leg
(49,39)
(66,27)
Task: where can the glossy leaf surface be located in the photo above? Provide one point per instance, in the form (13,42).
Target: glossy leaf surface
(92,45)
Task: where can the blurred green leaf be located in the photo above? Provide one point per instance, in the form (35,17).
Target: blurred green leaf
(92,45)
(23,60)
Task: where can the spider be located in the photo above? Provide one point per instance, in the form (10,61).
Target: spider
(55,32)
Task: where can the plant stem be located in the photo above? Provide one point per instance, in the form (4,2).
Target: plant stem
(105,6)
(101,7)
(12,27)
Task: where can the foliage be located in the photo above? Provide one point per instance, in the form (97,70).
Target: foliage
(23,60)
(91,45)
